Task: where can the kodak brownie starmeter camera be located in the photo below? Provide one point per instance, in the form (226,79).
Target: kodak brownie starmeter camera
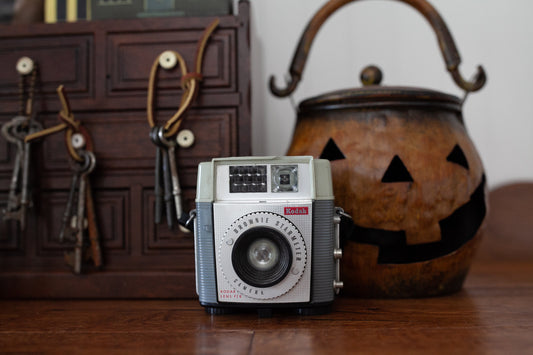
(266,235)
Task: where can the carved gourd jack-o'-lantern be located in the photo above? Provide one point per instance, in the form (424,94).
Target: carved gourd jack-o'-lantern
(403,167)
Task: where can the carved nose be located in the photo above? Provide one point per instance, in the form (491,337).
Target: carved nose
(331,151)
(396,172)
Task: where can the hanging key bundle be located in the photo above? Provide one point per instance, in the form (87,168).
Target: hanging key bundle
(167,187)
(15,132)
(79,218)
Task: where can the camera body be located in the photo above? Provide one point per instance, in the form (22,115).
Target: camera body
(266,235)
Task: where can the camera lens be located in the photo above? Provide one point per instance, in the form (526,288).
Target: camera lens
(263,254)
(261,257)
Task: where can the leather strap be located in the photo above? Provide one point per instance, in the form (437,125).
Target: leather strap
(189,83)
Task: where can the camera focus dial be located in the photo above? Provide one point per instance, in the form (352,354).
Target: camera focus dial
(263,255)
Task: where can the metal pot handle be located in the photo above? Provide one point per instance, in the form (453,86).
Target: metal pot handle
(446,43)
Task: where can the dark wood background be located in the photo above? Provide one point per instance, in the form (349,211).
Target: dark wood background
(104,66)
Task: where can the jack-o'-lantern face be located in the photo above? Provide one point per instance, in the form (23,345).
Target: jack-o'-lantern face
(416,191)
(402,166)
(410,196)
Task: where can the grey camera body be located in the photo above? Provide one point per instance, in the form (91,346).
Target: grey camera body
(265,235)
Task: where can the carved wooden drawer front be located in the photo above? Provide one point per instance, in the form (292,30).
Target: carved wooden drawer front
(130,148)
(129,56)
(73,54)
(104,67)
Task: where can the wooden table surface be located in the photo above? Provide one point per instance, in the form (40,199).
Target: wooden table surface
(493,314)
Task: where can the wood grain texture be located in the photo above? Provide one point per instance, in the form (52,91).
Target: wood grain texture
(104,67)
(493,314)
(509,225)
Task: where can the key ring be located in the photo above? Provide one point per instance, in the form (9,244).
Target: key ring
(163,139)
(29,126)
(91,158)
(87,164)
(8,127)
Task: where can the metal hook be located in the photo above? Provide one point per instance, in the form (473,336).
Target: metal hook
(291,85)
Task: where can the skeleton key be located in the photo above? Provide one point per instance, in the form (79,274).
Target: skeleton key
(7,132)
(67,215)
(80,218)
(74,259)
(15,131)
(66,223)
(24,199)
(158,188)
(76,256)
(94,237)
(167,183)
(176,189)
(32,127)
(162,166)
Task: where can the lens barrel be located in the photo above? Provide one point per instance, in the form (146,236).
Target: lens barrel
(261,257)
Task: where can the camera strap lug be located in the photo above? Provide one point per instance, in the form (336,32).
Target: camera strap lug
(188,223)
(340,220)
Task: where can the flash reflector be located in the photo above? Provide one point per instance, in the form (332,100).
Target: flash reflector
(248,178)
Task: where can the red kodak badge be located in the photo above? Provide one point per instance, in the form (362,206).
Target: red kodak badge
(290,211)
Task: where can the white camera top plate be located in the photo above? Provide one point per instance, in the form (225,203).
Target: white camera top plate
(313,179)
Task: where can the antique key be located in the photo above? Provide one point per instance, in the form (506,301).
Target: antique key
(32,127)
(167,184)
(79,221)
(94,237)
(158,212)
(95,252)
(158,184)
(163,173)
(13,198)
(176,188)
(171,156)
(67,230)
(79,224)
(14,132)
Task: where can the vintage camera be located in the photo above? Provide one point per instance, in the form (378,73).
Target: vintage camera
(266,235)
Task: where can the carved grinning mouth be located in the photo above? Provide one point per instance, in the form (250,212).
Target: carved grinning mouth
(456,230)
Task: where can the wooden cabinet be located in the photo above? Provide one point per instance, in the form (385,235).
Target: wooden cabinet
(104,66)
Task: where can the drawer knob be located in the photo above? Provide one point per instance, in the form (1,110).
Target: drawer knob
(168,60)
(25,65)
(78,141)
(185,138)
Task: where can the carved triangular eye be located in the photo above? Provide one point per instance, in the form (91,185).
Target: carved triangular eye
(331,151)
(397,172)
(457,156)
